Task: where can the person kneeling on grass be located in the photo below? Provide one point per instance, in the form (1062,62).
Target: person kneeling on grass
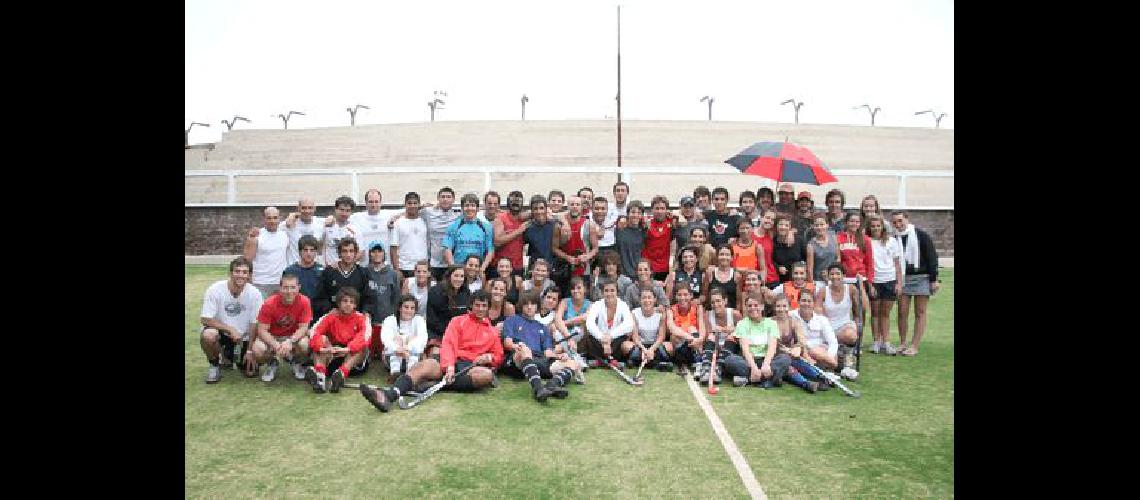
(758,337)
(469,340)
(609,323)
(283,328)
(523,337)
(338,343)
(792,343)
(404,336)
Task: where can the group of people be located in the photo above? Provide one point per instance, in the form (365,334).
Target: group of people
(548,288)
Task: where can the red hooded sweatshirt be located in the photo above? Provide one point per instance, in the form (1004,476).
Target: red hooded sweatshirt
(344,329)
(467,338)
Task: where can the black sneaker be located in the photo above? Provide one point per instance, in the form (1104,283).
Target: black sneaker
(767,384)
(824,385)
(556,390)
(336,381)
(315,379)
(812,386)
(541,394)
(377,398)
(664,366)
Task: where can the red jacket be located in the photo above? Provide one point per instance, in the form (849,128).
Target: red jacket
(467,338)
(349,330)
(856,261)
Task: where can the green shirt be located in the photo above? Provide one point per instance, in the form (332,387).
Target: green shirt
(757,333)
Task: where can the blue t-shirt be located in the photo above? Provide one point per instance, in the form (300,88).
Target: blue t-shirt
(528,331)
(539,237)
(469,237)
(309,277)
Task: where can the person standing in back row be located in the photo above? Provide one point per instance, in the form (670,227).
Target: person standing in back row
(337,228)
(921,278)
(266,248)
(508,230)
(409,237)
(723,225)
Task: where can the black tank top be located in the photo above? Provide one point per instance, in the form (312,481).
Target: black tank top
(727,288)
(693,280)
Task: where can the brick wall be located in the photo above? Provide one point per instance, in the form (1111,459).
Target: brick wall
(221,230)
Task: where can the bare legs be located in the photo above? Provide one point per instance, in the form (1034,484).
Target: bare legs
(920,302)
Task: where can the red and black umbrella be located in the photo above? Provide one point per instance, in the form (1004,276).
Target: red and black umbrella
(782,162)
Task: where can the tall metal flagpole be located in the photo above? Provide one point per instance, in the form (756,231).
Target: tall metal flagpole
(619,90)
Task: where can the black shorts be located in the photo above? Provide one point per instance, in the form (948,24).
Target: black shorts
(460,380)
(228,346)
(511,369)
(355,371)
(885,291)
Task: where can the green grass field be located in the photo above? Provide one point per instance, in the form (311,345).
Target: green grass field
(246,438)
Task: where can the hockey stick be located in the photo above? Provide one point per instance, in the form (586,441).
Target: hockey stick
(834,379)
(622,374)
(644,361)
(423,396)
(859,323)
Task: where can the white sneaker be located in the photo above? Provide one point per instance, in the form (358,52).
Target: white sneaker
(270,372)
(889,349)
(877,347)
(849,373)
(298,371)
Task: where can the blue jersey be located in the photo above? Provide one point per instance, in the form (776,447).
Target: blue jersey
(468,237)
(530,332)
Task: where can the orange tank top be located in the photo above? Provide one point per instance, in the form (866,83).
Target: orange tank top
(685,321)
(793,294)
(745,257)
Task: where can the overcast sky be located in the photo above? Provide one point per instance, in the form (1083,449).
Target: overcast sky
(261,58)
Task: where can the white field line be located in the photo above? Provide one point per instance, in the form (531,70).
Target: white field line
(738,461)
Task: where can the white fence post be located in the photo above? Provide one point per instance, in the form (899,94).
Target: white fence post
(486,179)
(902,191)
(355,186)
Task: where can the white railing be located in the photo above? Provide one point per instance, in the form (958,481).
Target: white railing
(627,175)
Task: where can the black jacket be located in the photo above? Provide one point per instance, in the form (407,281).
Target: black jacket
(927,256)
(331,282)
(439,313)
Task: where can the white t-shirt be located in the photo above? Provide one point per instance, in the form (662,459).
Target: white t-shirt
(411,236)
(372,229)
(300,228)
(333,234)
(237,312)
(818,331)
(884,256)
(269,261)
(606,232)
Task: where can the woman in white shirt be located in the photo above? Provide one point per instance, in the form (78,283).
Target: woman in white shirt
(418,285)
(887,254)
(609,322)
(404,338)
(649,334)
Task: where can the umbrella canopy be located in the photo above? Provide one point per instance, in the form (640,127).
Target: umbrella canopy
(782,162)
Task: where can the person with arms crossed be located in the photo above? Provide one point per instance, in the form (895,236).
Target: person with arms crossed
(283,329)
(266,248)
(229,310)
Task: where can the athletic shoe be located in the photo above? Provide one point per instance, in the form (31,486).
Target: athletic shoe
(336,381)
(875,347)
(298,370)
(738,381)
(889,349)
(270,372)
(849,373)
(557,390)
(824,385)
(541,394)
(213,374)
(664,366)
(812,386)
(377,398)
(701,373)
(315,379)
(579,378)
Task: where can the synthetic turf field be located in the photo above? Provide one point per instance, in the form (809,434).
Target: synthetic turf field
(245,438)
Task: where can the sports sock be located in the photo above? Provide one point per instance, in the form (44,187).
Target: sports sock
(531,372)
(394,363)
(562,377)
(403,384)
(321,369)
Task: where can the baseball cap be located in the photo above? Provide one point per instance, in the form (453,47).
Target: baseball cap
(687,200)
(786,188)
(804,194)
(375,246)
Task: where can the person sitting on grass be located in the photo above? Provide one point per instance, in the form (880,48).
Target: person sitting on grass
(229,310)
(721,320)
(447,300)
(529,350)
(572,310)
(609,323)
(338,343)
(404,337)
(563,343)
(470,341)
(838,302)
(649,334)
(685,320)
(759,338)
(282,329)
(795,288)
(791,343)
(819,338)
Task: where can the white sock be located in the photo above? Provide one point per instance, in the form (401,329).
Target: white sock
(394,364)
(412,360)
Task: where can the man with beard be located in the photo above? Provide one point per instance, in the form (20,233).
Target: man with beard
(508,230)
(541,235)
(577,233)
